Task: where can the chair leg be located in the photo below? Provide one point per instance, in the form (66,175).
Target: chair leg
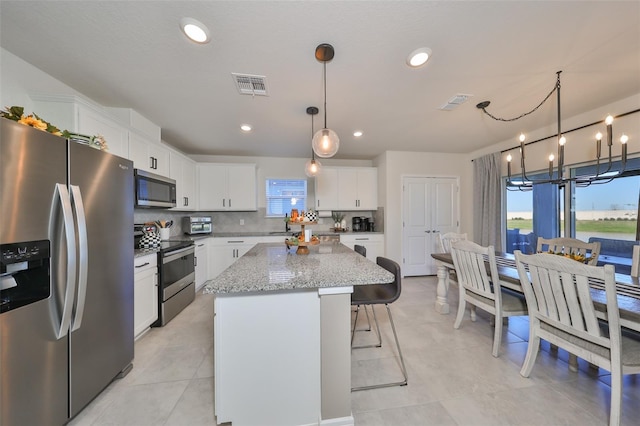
(532,353)
(497,336)
(368,320)
(402,365)
(375,320)
(616,396)
(353,329)
(461,307)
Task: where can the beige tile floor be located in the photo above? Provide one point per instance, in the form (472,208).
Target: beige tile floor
(453,379)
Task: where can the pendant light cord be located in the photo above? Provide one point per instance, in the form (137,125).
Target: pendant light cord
(325,92)
(313,153)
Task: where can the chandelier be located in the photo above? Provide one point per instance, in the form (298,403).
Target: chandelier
(603,168)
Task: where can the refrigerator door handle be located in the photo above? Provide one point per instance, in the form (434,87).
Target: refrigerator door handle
(70,289)
(83,255)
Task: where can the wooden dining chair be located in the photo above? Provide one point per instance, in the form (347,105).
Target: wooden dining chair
(449,238)
(570,246)
(561,311)
(481,289)
(380,294)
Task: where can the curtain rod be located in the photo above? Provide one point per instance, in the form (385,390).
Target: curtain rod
(569,131)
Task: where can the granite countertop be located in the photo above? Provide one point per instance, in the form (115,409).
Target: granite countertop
(144,252)
(271,267)
(284,234)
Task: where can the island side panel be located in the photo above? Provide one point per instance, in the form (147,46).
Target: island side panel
(267,358)
(335,313)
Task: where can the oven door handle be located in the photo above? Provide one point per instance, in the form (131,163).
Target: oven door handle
(178,254)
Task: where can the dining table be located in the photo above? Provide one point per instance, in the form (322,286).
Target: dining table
(627,288)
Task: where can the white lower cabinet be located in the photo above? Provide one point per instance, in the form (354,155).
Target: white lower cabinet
(145,293)
(224,251)
(202,262)
(374,243)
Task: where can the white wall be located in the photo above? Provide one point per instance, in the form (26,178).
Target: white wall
(19,78)
(393,165)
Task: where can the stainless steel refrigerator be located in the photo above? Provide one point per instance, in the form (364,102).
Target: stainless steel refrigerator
(66,324)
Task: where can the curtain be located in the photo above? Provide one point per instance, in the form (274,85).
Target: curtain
(487,201)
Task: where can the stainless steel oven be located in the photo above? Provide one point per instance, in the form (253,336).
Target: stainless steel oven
(176,286)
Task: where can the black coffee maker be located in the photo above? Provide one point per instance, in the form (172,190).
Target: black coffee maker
(357,224)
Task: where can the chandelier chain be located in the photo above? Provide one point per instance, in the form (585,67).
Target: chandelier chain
(556,87)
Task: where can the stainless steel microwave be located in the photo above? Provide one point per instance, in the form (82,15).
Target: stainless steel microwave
(154,191)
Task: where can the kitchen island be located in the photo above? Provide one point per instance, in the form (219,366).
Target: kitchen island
(282,350)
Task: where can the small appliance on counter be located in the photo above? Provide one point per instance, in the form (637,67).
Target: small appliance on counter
(194,225)
(356,224)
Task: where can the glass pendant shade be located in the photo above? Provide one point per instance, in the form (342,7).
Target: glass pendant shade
(312,168)
(325,143)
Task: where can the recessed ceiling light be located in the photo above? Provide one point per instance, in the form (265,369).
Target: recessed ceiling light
(245,128)
(419,57)
(195,30)
(357,133)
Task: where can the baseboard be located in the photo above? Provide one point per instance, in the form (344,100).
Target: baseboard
(339,421)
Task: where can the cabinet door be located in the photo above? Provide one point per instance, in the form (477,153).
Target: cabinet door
(160,156)
(327,189)
(348,190)
(92,123)
(149,156)
(223,252)
(139,153)
(212,187)
(145,294)
(374,244)
(202,262)
(367,188)
(189,184)
(175,172)
(241,184)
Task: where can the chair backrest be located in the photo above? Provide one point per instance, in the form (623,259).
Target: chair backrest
(471,270)
(360,250)
(558,295)
(635,261)
(589,251)
(449,238)
(395,287)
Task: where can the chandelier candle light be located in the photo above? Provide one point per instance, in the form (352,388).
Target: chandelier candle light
(325,141)
(600,176)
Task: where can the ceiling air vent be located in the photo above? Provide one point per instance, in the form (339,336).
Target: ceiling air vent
(248,84)
(455,102)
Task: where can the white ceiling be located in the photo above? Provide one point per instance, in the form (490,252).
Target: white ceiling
(133,54)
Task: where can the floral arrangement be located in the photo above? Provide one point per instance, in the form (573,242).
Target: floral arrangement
(16,113)
(574,256)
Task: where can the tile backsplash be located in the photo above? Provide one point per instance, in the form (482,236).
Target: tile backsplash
(253,221)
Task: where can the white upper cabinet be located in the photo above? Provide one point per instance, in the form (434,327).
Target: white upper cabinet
(347,188)
(77,115)
(148,155)
(227,187)
(183,170)
(327,189)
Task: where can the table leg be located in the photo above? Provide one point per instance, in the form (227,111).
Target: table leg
(442,291)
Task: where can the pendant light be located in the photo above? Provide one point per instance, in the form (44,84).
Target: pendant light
(313,166)
(325,141)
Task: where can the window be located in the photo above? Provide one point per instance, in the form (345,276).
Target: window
(284,195)
(532,214)
(606,212)
(609,213)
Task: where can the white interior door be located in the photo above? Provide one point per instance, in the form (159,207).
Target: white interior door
(430,207)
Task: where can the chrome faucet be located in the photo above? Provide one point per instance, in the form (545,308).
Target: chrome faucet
(286,223)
